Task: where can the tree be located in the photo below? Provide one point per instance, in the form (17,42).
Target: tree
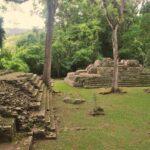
(77,36)
(145,32)
(135,41)
(51,6)
(2,33)
(51,9)
(114,12)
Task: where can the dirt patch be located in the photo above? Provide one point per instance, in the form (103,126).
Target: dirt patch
(147,90)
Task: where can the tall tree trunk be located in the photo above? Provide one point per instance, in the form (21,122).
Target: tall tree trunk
(48,42)
(115,87)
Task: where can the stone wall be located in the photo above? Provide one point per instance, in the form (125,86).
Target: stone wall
(100,74)
(26,100)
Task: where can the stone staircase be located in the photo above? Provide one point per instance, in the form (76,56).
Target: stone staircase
(126,79)
(36,118)
(140,80)
(41,107)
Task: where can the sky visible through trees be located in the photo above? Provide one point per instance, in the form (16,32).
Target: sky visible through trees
(22,18)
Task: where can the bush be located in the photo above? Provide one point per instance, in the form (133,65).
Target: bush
(15,64)
(33,56)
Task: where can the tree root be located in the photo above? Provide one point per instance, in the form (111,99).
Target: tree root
(112,91)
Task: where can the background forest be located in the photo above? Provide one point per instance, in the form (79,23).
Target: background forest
(81,35)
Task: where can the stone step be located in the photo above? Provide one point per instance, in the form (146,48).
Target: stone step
(25,85)
(36,81)
(47,118)
(39,96)
(47,107)
(7,129)
(35,106)
(121,85)
(43,102)
(53,123)
(47,100)
(134,85)
(5,72)
(133,82)
(35,92)
(30,88)
(98,84)
(38,116)
(41,99)
(124,82)
(41,89)
(39,84)
(51,136)
(25,144)
(39,133)
(34,76)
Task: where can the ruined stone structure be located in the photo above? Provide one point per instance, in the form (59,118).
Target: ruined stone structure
(99,74)
(25,106)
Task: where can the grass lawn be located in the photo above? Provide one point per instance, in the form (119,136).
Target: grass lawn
(125,125)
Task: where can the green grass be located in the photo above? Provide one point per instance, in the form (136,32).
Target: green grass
(125,126)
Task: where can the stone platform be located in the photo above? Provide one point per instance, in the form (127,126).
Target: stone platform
(25,107)
(100,74)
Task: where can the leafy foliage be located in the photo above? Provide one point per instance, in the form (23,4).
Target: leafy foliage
(81,35)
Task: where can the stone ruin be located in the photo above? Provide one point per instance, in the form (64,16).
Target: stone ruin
(100,74)
(25,107)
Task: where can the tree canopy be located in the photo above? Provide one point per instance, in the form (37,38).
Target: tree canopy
(81,35)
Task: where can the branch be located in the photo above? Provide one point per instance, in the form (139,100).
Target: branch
(16,1)
(106,13)
(122,7)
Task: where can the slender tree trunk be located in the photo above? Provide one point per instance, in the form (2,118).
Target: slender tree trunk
(115,87)
(48,42)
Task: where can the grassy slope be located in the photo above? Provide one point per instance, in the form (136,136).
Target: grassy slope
(126,125)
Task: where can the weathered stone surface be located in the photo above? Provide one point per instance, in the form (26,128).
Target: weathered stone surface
(51,136)
(107,62)
(78,101)
(133,63)
(73,101)
(7,129)
(97,63)
(91,69)
(26,99)
(97,111)
(67,100)
(38,133)
(80,71)
(100,74)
